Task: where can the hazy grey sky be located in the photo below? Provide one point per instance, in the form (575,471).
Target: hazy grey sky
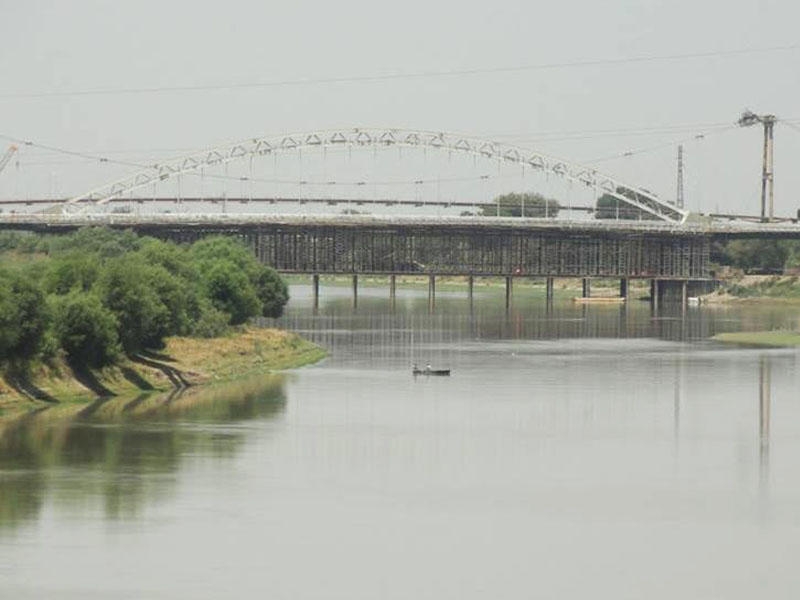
(77,45)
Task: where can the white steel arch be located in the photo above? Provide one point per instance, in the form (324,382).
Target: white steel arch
(368,137)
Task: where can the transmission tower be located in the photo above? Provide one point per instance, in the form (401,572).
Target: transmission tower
(679,197)
(767,172)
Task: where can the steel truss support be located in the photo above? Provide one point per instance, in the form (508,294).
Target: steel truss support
(373,138)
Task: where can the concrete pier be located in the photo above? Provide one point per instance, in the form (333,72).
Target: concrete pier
(315,290)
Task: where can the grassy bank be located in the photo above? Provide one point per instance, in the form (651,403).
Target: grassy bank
(767,339)
(756,288)
(183,361)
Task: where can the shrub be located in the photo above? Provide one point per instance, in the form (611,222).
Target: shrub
(85,329)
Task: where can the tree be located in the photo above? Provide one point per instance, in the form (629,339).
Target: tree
(273,292)
(757,255)
(129,287)
(231,291)
(236,282)
(526,204)
(85,329)
(24,318)
(102,241)
(9,322)
(72,271)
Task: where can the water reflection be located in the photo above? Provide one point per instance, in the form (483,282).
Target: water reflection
(125,451)
(764,407)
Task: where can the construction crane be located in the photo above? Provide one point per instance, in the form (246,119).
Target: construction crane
(7,157)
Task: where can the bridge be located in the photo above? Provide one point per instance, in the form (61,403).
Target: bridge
(665,246)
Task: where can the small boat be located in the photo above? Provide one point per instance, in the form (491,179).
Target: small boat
(429,371)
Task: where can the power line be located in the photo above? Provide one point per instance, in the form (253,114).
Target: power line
(381,77)
(698,136)
(67,152)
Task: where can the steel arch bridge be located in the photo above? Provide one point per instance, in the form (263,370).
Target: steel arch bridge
(634,196)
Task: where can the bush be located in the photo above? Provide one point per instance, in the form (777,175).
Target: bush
(231,291)
(521,205)
(128,287)
(272,291)
(211,323)
(85,329)
(24,317)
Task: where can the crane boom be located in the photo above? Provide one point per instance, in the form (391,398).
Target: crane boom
(7,157)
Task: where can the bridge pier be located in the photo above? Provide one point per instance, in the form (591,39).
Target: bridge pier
(587,287)
(549,288)
(655,293)
(315,290)
(392,289)
(509,291)
(684,294)
(355,291)
(431,292)
(623,288)
(470,288)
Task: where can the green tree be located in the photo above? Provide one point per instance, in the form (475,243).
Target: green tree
(9,321)
(85,329)
(272,291)
(25,316)
(525,204)
(757,255)
(211,321)
(231,291)
(130,288)
(72,271)
(236,282)
(102,241)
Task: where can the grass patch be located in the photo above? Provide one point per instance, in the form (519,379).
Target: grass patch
(241,353)
(766,339)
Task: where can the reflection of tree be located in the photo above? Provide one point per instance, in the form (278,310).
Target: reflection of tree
(117,450)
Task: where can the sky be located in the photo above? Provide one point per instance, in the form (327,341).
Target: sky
(611,110)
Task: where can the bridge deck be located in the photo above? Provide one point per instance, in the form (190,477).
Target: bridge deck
(734,229)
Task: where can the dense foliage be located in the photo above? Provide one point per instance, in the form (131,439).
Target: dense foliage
(763,256)
(97,293)
(527,204)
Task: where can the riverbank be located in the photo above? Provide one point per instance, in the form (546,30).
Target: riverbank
(756,289)
(765,339)
(183,362)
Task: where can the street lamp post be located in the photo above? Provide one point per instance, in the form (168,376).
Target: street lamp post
(767,180)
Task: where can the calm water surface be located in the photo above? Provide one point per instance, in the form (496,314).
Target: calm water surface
(579,452)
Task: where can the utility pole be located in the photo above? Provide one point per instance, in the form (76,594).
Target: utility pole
(679,196)
(767,177)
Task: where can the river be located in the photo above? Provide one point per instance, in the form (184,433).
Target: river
(582,451)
